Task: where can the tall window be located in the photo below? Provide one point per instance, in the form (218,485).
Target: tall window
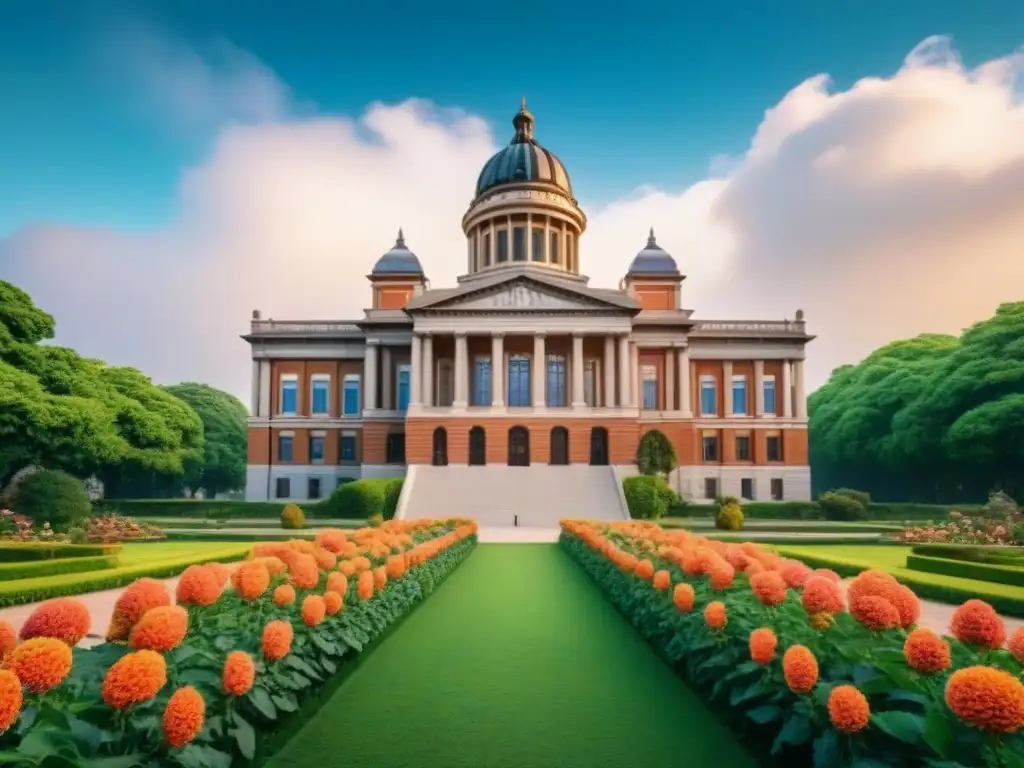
(556,381)
(773,444)
(445,383)
(649,375)
(519,244)
(347,448)
(394,448)
(321,394)
(486,255)
(350,395)
(710,448)
(289,395)
(708,396)
(556,257)
(590,383)
(482,381)
(403,387)
(316,448)
(776,488)
(710,487)
(313,489)
(519,381)
(502,245)
(769,394)
(742,447)
(739,395)
(747,488)
(282,488)
(284,448)
(537,242)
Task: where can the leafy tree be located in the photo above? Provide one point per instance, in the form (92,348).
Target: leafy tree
(225,436)
(655,454)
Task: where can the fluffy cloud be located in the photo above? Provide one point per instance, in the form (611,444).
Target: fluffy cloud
(883,211)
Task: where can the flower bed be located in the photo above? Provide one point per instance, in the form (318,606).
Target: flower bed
(203,682)
(773,641)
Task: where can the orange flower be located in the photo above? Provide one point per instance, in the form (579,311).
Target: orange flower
(714,615)
(313,610)
(874,613)
(184,716)
(277,640)
(347,567)
(64,619)
(40,663)
(644,570)
(284,595)
(239,673)
(683,596)
(10,699)
(821,620)
(794,573)
(221,573)
(907,604)
(763,643)
(336,582)
(138,598)
(133,678)
(160,629)
(324,560)
(925,651)
(800,668)
(768,587)
(827,573)
(251,579)
(662,581)
(333,603)
(396,566)
(976,623)
(8,639)
(1015,644)
(721,576)
(987,698)
(848,709)
(332,539)
(364,585)
(198,585)
(821,595)
(304,572)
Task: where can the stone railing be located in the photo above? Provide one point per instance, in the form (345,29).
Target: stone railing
(303,327)
(773,327)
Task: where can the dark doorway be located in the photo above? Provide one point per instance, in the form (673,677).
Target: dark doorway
(599,446)
(477,447)
(518,447)
(395,448)
(440,447)
(559,445)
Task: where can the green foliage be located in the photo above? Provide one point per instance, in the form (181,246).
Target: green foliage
(679,507)
(997,574)
(836,505)
(861,497)
(363,499)
(999,505)
(292,517)
(31,569)
(934,418)
(225,438)
(655,454)
(54,497)
(729,517)
(213,509)
(647,496)
(11,552)
(971,553)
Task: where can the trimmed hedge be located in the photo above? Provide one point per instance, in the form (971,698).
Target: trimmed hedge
(647,496)
(191,508)
(973,553)
(16,552)
(31,569)
(810,510)
(363,499)
(997,574)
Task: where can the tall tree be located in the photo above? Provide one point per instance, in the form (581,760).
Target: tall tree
(224,420)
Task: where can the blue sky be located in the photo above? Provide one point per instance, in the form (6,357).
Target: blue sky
(627,99)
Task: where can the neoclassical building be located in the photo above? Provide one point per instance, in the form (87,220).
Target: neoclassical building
(523,362)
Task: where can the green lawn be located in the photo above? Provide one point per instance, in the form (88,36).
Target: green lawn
(884,556)
(159,551)
(516,662)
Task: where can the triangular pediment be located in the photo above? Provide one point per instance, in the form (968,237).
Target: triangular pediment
(522,295)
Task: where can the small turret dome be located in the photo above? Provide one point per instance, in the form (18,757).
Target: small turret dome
(653,260)
(398,261)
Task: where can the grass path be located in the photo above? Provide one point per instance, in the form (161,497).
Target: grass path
(516,662)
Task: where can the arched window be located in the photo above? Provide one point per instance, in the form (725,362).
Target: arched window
(440,458)
(559,446)
(477,447)
(518,447)
(556,381)
(599,446)
(519,381)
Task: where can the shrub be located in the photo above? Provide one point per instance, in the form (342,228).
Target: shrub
(655,454)
(215,509)
(841,507)
(861,496)
(678,507)
(76,535)
(391,494)
(52,496)
(729,517)
(363,499)
(292,517)
(647,496)
(1000,505)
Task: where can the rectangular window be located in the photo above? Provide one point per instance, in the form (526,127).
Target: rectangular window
(519,244)
(650,387)
(502,245)
(482,381)
(553,248)
(347,449)
(739,395)
(537,238)
(321,395)
(742,447)
(316,449)
(519,381)
(747,488)
(774,447)
(395,448)
(289,395)
(445,384)
(708,396)
(710,448)
(590,382)
(777,489)
(710,488)
(556,381)
(486,255)
(350,397)
(403,387)
(282,488)
(313,491)
(284,448)
(769,394)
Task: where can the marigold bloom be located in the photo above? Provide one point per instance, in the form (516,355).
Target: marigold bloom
(138,598)
(987,698)
(848,709)
(362,563)
(63,619)
(40,663)
(795,573)
(821,621)
(198,585)
(907,604)
(721,576)
(133,678)
(396,566)
(10,699)
(644,570)
(184,716)
(251,579)
(332,539)
(347,567)
(333,602)
(221,573)
(763,643)
(324,560)
(313,610)
(683,597)
(160,629)
(800,668)
(827,573)
(714,615)
(304,572)
(380,577)
(277,640)
(976,623)
(662,580)
(768,587)
(874,612)
(925,651)
(873,582)
(336,582)
(822,595)
(1015,644)
(284,595)
(8,639)
(364,585)
(239,673)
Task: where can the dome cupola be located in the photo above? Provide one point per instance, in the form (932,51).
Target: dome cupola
(653,260)
(398,261)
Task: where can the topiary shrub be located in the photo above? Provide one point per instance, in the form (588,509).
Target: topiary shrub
(655,454)
(647,496)
(292,517)
(391,493)
(52,496)
(999,505)
(841,507)
(730,516)
(863,497)
(359,500)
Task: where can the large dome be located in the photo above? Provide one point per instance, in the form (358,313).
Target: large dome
(523,160)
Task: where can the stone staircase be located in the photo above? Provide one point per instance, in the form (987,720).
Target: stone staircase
(537,496)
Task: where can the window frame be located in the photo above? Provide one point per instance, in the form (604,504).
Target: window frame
(745,436)
(768,385)
(282,483)
(309,488)
(292,380)
(322,437)
(405,368)
(741,380)
(290,437)
(768,451)
(744,481)
(590,382)
(708,382)
(781,495)
(483,374)
(712,484)
(649,375)
(445,388)
(342,437)
(556,373)
(319,378)
(518,362)
(502,237)
(704,444)
(351,378)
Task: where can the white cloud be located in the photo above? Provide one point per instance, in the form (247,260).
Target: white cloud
(883,211)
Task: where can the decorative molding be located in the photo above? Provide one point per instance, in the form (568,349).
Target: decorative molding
(520,297)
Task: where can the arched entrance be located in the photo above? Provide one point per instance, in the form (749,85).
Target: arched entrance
(440,447)
(599,446)
(477,447)
(518,447)
(559,445)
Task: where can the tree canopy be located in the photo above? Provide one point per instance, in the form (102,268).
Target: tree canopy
(932,419)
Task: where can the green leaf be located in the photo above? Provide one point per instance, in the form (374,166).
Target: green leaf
(900,725)
(796,731)
(286,703)
(937,732)
(765,714)
(350,638)
(329,665)
(826,749)
(260,699)
(9,757)
(245,737)
(118,761)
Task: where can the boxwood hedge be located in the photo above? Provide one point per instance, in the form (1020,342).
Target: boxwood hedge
(11,552)
(33,568)
(997,574)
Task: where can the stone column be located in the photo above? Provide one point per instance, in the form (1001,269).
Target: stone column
(759,388)
(529,237)
(461,372)
(578,397)
(798,389)
(685,387)
(254,395)
(370,376)
(727,388)
(634,375)
(623,370)
(539,369)
(609,372)
(787,394)
(415,374)
(427,370)
(498,370)
(386,376)
(670,389)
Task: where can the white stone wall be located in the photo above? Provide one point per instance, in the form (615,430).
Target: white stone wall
(689,481)
(257,485)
